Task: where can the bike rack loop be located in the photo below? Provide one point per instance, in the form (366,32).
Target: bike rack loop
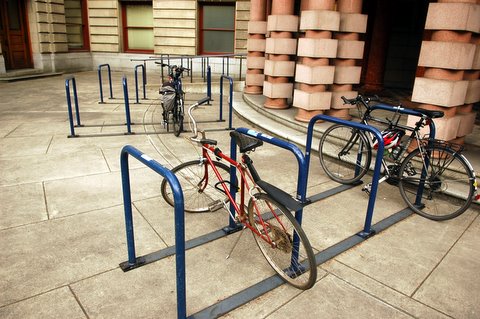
(71,79)
(230,106)
(367,229)
(144,82)
(127,104)
(133,261)
(100,81)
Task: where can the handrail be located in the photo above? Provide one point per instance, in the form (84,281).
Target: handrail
(133,260)
(230,102)
(71,79)
(367,229)
(100,81)
(144,81)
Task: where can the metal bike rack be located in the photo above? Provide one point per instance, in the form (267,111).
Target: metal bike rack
(230,100)
(144,82)
(100,81)
(68,80)
(134,261)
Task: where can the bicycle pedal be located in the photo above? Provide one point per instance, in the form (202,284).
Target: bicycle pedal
(215,205)
(367,189)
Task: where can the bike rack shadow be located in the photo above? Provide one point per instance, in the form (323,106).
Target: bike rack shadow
(134,261)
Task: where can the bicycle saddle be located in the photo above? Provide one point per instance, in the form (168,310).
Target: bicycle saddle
(246,143)
(431,114)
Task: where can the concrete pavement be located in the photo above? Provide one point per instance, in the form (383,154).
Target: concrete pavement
(62,232)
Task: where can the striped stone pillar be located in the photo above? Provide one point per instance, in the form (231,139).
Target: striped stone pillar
(448,58)
(280,50)
(349,55)
(257,29)
(315,49)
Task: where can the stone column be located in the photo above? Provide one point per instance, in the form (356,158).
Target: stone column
(280,49)
(350,50)
(315,49)
(257,29)
(448,58)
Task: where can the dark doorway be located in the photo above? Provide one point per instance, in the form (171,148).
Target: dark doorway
(14,35)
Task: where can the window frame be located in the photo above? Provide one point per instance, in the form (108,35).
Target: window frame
(201,29)
(125,27)
(85,30)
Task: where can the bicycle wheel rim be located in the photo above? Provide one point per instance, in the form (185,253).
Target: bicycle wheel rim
(199,196)
(302,273)
(447,191)
(344,154)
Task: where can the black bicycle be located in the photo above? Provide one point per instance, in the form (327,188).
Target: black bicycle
(173,98)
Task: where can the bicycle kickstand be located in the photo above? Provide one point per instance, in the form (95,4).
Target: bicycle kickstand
(236,243)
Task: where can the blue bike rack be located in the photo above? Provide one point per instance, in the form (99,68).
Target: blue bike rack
(144,82)
(134,261)
(68,80)
(127,104)
(230,102)
(100,81)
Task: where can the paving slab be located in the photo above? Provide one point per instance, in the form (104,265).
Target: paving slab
(22,146)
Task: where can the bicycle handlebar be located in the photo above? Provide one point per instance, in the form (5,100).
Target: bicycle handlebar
(190,110)
(361,99)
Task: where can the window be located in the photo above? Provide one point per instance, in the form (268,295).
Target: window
(77,25)
(217,28)
(138,27)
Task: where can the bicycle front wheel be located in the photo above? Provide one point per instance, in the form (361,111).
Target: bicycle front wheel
(283,242)
(202,191)
(444,190)
(345,154)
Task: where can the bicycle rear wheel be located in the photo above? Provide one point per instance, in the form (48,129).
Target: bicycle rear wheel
(276,222)
(345,154)
(202,191)
(446,187)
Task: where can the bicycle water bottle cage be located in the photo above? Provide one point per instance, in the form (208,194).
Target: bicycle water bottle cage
(244,142)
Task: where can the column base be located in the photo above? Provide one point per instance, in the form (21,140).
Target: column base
(305,115)
(276,103)
(341,114)
(252,89)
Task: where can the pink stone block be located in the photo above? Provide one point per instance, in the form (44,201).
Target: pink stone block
(476,58)
(312,101)
(320,20)
(453,16)
(337,102)
(281,46)
(257,27)
(447,55)
(317,48)
(279,68)
(277,90)
(254,79)
(256,45)
(446,128)
(255,62)
(467,121)
(287,23)
(353,22)
(314,74)
(439,92)
(349,49)
(473,92)
(347,74)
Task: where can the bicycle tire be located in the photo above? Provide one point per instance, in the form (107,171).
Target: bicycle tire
(304,274)
(344,168)
(448,187)
(178,118)
(198,197)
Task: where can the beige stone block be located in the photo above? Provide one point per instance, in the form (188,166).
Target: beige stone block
(281,46)
(315,74)
(473,92)
(257,27)
(254,79)
(282,23)
(159,12)
(337,102)
(279,68)
(439,92)
(349,49)
(189,42)
(467,122)
(105,4)
(476,58)
(277,90)
(317,48)
(447,55)
(347,74)
(312,101)
(255,62)
(175,23)
(113,22)
(174,33)
(320,20)
(177,4)
(353,22)
(453,16)
(256,45)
